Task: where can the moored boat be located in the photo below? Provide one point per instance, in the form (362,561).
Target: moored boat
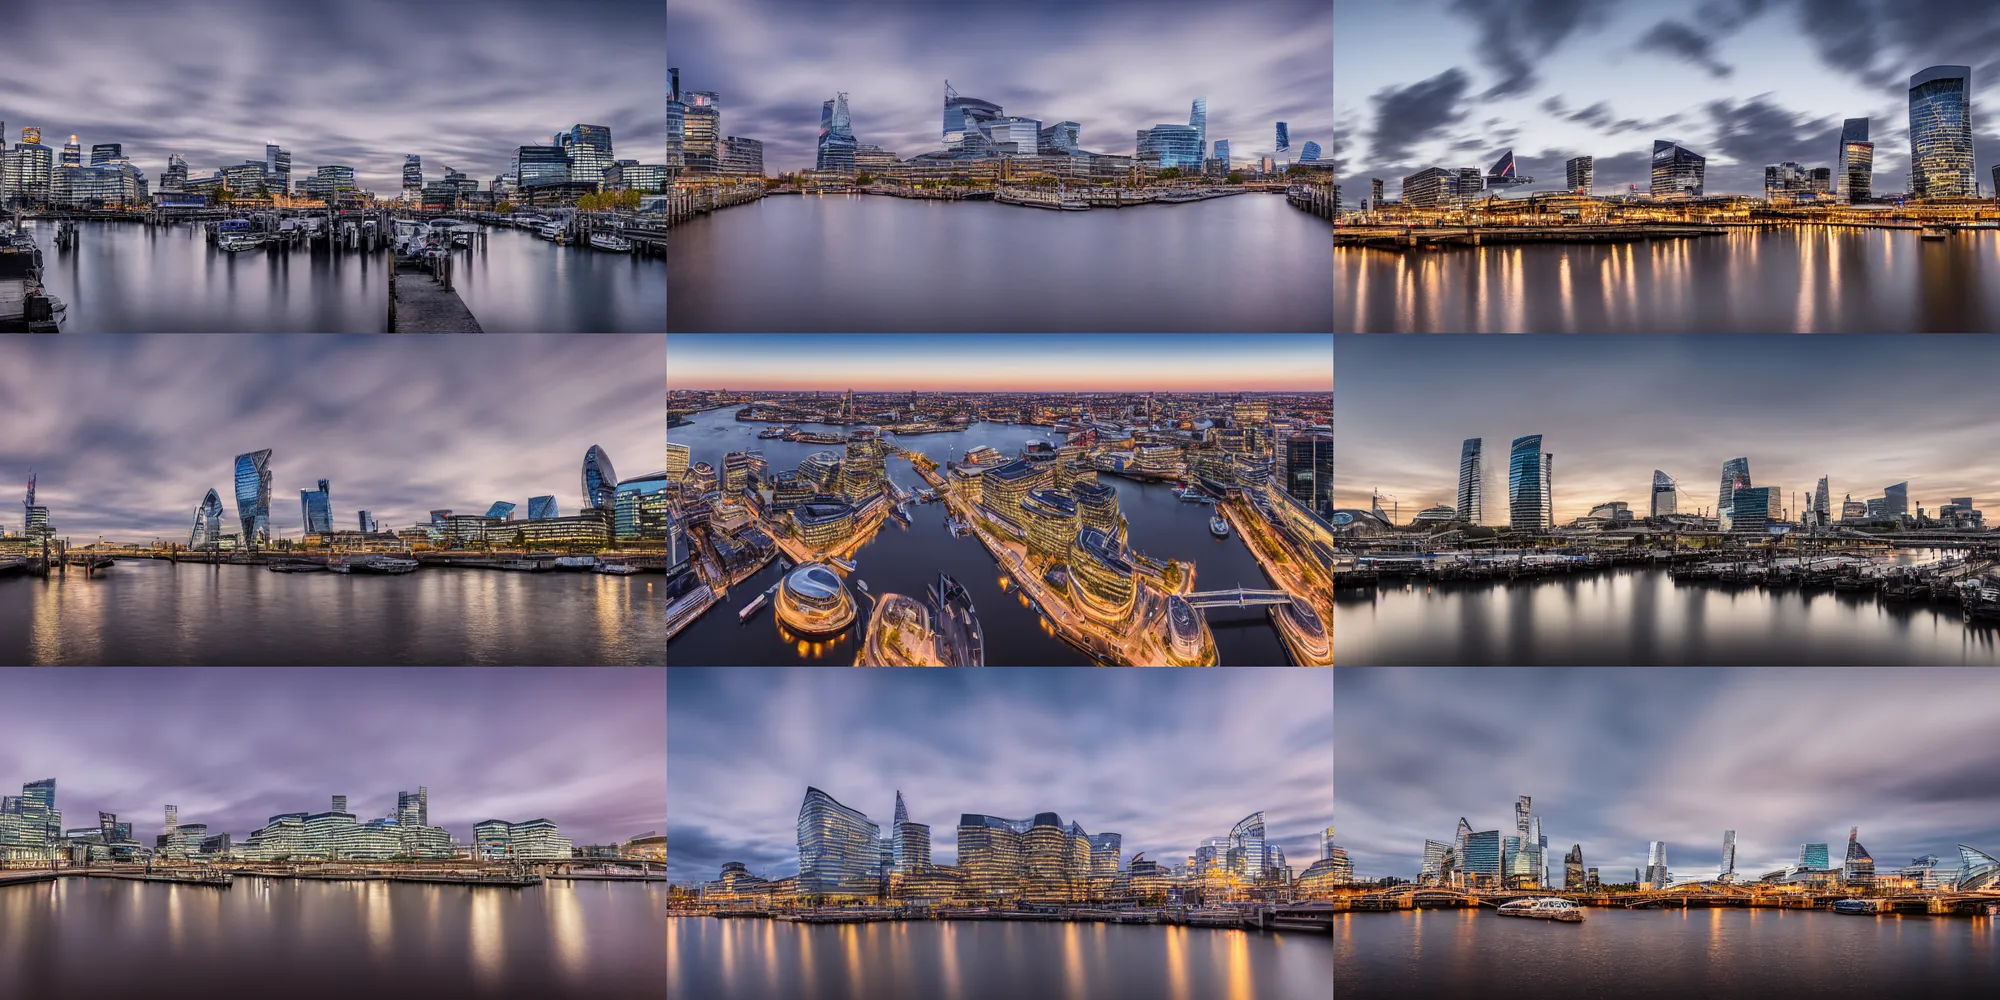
(1935,232)
(1856,907)
(610,243)
(1545,908)
(617,569)
(380,564)
(1218,527)
(550,231)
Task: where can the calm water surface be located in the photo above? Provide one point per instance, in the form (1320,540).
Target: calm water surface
(1680,953)
(907,560)
(1797,279)
(874,263)
(969,960)
(1640,616)
(126,277)
(152,612)
(82,939)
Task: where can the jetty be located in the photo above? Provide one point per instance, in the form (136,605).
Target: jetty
(422,299)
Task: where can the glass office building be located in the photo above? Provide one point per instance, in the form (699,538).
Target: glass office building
(836,136)
(1527,487)
(1198,120)
(1309,471)
(1665,494)
(838,850)
(589,149)
(528,840)
(1941,133)
(1101,579)
(253,497)
(1471,481)
(541,507)
(639,508)
(1677,170)
(600,480)
(1172,145)
(1735,476)
(207,522)
(541,165)
(317,508)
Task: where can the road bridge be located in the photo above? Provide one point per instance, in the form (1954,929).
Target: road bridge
(1236,598)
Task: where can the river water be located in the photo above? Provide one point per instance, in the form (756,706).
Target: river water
(1667,953)
(876,263)
(83,939)
(125,277)
(906,560)
(749,959)
(1794,280)
(1640,616)
(149,612)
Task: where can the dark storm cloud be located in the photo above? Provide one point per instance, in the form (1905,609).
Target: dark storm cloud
(1513,35)
(362,83)
(1682,42)
(232,747)
(1757,132)
(128,433)
(1887,41)
(1405,116)
(1674,754)
(1624,406)
(1112,66)
(1163,758)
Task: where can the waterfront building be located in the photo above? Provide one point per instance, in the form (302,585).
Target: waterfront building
(740,157)
(677,461)
(1813,857)
(1308,464)
(1469,184)
(501,510)
(367,523)
(812,600)
(331,182)
(1431,187)
(599,478)
(29,170)
(1728,870)
(1050,519)
(317,508)
(1677,170)
(545,506)
(72,153)
(1735,476)
(414,808)
(1580,173)
(1656,865)
(1573,876)
(1096,504)
(1753,508)
(541,166)
(413,176)
(836,136)
(1480,858)
(589,152)
(823,522)
(1007,486)
(910,849)
(1896,500)
(207,530)
(968,481)
(253,497)
(1941,133)
(30,823)
(1527,485)
(1062,137)
(736,885)
(176,175)
(989,851)
(1101,578)
(1859,866)
(838,853)
(1430,871)
(1471,478)
(1665,495)
(528,840)
(1170,146)
(1198,120)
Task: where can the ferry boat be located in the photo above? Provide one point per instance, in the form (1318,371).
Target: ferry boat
(380,564)
(1218,527)
(1935,232)
(575,562)
(237,242)
(1192,495)
(295,567)
(1855,907)
(617,569)
(553,230)
(610,243)
(1546,908)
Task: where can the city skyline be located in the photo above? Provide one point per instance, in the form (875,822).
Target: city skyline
(774,63)
(1555,81)
(1631,405)
(127,435)
(1676,754)
(232,747)
(1002,362)
(1138,753)
(451,81)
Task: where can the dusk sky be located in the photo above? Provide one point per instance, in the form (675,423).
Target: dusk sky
(1868,411)
(1617,758)
(1112,66)
(127,434)
(1002,362)
(361,83)
(1452,83)
(1166,758)
(585,749)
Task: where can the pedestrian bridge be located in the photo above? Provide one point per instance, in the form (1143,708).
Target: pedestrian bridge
(1236,598)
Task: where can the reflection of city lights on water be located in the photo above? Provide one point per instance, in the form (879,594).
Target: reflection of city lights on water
(802,648)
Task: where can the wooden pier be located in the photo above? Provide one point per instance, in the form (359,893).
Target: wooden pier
(1316,199)
(422,299)
(685,201)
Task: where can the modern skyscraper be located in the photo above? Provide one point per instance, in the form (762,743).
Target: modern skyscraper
(1859,867)
(1656,864)
(1735,476)
(72,153)
(367,522)
(340,803)
(1527,492)
(1284,140)
(676,121)
(541,507)
(589,149)
(1481,856)
(1573,873)
(277,167)
(317,507)
(1821,503)
(1664,494)
(1728,870)
(1677,170)
(1222,153)
(1198,120)
(253,497)
(836,136)
(1471,481)
(1941,133)
(910,843)
(838,850)
(1308,470)
(1813,857)
(1435,851)
(1896,500)
(501,510)
(414,808)
(1309,153)
(1171,145)
(600,481)
(1580,173)
(413,177)
(1753,508)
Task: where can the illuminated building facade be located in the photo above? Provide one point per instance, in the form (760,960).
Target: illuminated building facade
(316,506)
(528,840)
(1096,505)
(1101,579)
(253,497)
(1050,520)
(838,851)
(1941,133)
(1527,490)
(30,823)
(824,522)
(1735,476)
(1677,171)
(1471,479)
(812,600)
(1580,174)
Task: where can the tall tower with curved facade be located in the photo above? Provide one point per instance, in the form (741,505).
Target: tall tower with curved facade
(207,529)
(838,852)
(1822,502)
(1247,836)
(1527,493)
(1198,117)
(1471,477)
(1666,495)
(253,497)
(1735,476)
(600,480)
(1941,133)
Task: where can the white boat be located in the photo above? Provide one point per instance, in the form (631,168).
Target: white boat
(1545,908)
(237,242)
(1935,232)
(1218,526)
(380,564)
(550,231)
(614,244)
(616,569)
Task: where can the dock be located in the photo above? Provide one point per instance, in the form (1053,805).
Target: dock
(1441,237)
(422,300)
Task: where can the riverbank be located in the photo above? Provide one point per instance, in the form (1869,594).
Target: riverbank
(1314,918)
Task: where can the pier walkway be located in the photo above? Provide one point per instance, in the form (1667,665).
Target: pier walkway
(420,303)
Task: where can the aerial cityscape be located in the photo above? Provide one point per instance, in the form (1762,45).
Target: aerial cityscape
(1150,844)
(262,200)
(473,807)
(1734,527)
(763,104)
(1847,195)
(410,458)
(1141,523)
(1772,855)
